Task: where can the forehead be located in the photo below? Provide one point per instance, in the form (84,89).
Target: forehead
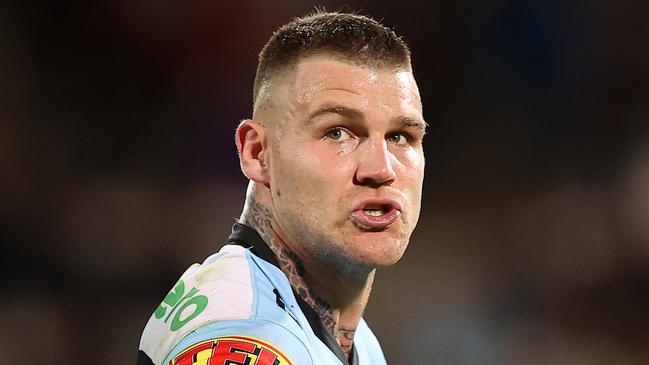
(317,77)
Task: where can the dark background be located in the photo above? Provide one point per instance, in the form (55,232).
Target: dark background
(118,170)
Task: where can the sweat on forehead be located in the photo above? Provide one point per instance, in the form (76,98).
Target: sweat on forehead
(286,77)
(348,37)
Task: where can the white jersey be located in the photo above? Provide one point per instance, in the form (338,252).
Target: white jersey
(239,308)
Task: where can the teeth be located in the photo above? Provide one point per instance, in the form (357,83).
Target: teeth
(374,212)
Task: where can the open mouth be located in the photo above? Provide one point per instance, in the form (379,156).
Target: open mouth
(375,217)
(375,212)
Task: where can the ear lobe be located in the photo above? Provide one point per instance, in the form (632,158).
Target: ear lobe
(250,139)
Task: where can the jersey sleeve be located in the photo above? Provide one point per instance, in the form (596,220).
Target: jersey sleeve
(254,341)
(223,311)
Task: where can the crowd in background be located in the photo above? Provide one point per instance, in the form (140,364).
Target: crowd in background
(118,170)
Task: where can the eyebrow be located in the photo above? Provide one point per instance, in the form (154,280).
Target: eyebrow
(336,109)
(408,122)
(352,113)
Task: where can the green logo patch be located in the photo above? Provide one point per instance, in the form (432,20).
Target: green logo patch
(185,306)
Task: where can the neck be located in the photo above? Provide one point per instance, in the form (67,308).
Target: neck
(338,296)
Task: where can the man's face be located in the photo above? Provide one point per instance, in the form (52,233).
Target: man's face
(346,161)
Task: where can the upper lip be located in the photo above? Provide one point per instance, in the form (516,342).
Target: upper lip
(379,202)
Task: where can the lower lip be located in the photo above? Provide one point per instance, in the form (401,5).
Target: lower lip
(368,222)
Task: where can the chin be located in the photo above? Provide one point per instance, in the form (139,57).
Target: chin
(385,260)
(379,249)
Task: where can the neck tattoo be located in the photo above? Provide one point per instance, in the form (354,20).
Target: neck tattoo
(260,218)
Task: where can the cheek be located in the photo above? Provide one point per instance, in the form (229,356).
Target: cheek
(346,148)
(321,161)
(310,174)
(307,189)
(413,175)
(413,163)
(289,178)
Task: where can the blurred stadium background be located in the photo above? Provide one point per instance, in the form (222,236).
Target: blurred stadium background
(118,170)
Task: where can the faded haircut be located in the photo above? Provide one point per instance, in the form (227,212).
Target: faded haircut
(349,37)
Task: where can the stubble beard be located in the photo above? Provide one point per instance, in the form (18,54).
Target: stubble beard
(345,252)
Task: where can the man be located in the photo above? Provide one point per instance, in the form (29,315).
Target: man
(335,161)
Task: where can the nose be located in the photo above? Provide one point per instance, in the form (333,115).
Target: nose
(375,164)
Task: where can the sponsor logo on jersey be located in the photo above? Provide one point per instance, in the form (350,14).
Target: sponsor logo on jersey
(231,350)
(181,307)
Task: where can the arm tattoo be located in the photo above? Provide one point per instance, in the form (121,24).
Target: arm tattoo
(260,218)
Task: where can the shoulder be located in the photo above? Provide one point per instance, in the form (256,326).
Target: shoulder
(218,289)
(229,294)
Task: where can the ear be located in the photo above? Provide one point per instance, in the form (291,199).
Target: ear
(251,146)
